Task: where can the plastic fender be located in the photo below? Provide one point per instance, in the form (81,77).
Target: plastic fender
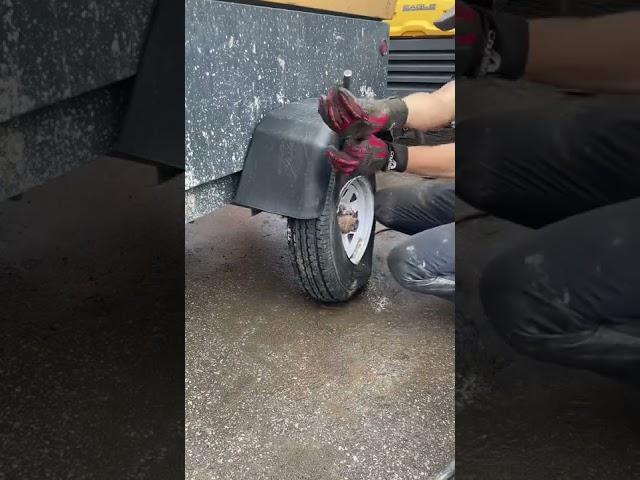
(286,169)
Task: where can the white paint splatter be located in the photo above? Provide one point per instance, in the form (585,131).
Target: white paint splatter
(367,92)
(381,304)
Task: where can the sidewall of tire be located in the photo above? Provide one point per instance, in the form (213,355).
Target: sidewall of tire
(351,277)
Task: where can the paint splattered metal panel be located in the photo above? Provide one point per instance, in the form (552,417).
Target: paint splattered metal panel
(51,51)
(243,61)
(65,71)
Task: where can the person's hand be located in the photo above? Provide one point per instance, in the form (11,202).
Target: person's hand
(368,156)
(490,43)
(356,118)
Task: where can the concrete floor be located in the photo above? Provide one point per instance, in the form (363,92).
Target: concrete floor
(91,326)
(281,387)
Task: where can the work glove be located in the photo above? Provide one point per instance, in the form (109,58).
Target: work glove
(359,118)
(490,43)
(369,155)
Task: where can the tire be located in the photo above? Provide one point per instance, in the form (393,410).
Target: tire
(324,270)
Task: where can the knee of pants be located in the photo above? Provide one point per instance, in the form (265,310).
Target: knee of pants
(385,209)
(504,306)
(399,265)
(523,315)
(418,278)
(545,328)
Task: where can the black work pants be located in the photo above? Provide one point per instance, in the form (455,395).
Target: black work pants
(570,292)
(425,262)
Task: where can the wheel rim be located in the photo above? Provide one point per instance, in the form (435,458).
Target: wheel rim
(356,201)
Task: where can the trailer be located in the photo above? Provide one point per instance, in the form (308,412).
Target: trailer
(253,74)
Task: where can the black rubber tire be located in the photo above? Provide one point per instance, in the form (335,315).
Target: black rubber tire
(323,269)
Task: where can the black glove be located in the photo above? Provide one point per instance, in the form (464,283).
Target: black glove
(358,118)
(490,42)
(368,156)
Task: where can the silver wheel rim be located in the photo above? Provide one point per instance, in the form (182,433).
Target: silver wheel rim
(356,199)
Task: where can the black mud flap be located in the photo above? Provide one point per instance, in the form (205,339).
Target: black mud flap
(153,127)
(286,170)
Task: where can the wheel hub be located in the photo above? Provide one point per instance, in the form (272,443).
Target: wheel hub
(347,220)
(356,217)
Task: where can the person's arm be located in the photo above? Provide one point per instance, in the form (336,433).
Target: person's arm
(596,54)
(437,161)
(431,110)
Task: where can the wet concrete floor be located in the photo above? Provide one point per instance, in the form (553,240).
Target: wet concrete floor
(281,387)
(91,326)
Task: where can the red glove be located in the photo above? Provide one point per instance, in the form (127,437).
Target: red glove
(368,155)
(349,116)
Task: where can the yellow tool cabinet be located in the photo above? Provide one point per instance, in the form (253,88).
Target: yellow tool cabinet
(415,18)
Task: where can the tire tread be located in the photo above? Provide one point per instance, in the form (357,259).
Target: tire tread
(311,253)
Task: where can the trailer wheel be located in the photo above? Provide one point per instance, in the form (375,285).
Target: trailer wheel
(332,254)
